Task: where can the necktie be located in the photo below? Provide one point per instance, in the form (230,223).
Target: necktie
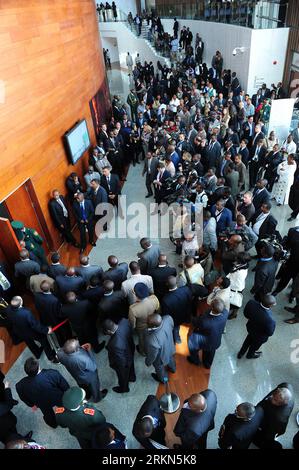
(65,212)
(83,213)
(108,182)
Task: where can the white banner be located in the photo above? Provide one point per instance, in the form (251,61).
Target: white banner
(281,118)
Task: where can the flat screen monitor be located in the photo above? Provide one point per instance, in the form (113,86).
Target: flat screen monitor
(77,141)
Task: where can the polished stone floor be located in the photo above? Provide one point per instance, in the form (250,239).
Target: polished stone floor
(233,380)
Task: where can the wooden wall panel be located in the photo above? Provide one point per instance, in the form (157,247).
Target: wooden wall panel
(51,65)
(293,45)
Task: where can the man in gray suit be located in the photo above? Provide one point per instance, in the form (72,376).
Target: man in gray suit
(26,267)
(150,170)
(80,363)
(148,259)
(87,271)
(159,346)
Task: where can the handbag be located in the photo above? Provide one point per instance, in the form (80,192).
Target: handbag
(236,298)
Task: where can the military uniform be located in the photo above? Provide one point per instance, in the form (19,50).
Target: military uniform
(81,422)
(33,241)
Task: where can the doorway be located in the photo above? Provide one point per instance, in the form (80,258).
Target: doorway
(23,205)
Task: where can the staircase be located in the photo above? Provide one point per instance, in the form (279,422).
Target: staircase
(146,36)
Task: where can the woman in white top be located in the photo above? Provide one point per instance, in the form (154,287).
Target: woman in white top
(237,283)
(285,171)
(174,103)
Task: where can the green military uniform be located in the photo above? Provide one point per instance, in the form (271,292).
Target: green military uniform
(33,241)
(80,418)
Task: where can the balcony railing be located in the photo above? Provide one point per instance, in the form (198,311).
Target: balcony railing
(258,14)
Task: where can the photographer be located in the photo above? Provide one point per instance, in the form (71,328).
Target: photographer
(248,236)
(232,247)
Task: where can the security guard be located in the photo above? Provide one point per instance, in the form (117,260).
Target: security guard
(33,241)
(79,417)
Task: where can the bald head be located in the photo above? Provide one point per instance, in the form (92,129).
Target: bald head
(154,320)
(217,306)
(84,260)
(171,282)
(24,254)
(235,240)
(108,286)
(162,260)
(112,261)
(45,286)
(71,272)
(70,297)
(245,411)
(197,403)
(16,301)
(268,301)
(281,396)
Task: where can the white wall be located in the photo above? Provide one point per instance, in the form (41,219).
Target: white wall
(222,37)
(128,42)
(112,45)
(267,46)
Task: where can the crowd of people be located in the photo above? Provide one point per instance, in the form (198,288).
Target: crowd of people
(203,145)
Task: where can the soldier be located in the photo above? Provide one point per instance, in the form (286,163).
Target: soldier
(33,241)
(78,416)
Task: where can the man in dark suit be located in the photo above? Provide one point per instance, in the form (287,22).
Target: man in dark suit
(81,364)
(99,198)
(148,259)
(263,223)
(111,184)
(150,171)
(82,317)
(60,216)
(56,268)
(178,304)
(28,329)
(272,160)
(107,437)
(244,152)
(257,160)
(26,267)
(196,420)
(103,137)
(258,135)
(84,214)
(70,282)
(213,152)
(260,194)
(277,406)
(113,305)
(160,182)
(117,272)
(222,215)
(260,326)
(86,271)
(160,276)
(207,334)
(249,130)
(121,350)
(49,309)
(149,425)
(42,389)
(265,272)
(239,428)
(94,291)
